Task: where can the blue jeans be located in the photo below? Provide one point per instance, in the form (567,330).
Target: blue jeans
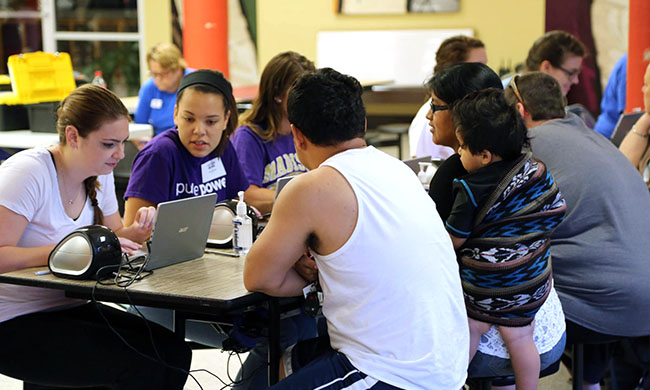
(254,370)
(484,366)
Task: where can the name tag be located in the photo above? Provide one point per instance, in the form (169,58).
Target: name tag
(156,104)
(212,169)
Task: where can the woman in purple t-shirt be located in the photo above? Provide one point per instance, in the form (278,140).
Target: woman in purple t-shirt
(196,157)
(264,142)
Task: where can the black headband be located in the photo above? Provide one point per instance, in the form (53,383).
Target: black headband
(213,78)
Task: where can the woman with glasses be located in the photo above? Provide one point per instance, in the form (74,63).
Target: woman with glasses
(448,87)
(157,95)
(558,54)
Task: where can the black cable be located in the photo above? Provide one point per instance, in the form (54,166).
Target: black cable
(151,338)
(138,273)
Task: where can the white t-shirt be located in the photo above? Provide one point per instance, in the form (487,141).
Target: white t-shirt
(29,187)
(421,140)
(392,295)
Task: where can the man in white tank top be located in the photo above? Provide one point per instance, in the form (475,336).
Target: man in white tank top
(392,295)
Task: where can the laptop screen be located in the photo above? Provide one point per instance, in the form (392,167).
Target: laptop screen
(181,230)
(623,126)
(280,185)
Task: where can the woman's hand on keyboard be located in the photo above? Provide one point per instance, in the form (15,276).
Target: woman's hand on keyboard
(128,246)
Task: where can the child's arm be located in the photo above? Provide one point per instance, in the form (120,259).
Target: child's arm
(458,242)
(459,222)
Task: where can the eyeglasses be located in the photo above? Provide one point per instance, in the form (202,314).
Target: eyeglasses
(570,73)
(160,74)
(513,85)
(436,107)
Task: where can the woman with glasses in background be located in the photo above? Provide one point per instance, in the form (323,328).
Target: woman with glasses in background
(558,54)
(157,96)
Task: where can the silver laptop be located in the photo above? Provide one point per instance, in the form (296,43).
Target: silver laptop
(623,126)
(181,230)
(280,185)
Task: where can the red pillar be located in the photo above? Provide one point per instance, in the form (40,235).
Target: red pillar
(638,49)
(205,34)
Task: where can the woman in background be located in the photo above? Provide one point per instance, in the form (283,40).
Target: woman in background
(45,194)
(558,54)
(157,96)
(264,142)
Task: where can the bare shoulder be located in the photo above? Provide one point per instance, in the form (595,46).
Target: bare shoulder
(323,202)
(322,186)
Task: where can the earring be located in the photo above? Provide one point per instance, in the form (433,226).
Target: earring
(278,100)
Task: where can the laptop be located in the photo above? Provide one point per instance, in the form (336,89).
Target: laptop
(180,231)
(280,185)
(623,126)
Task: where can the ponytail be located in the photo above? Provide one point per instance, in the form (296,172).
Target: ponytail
(91,184)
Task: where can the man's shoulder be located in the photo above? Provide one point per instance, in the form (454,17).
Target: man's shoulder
(321,188)
(323,178)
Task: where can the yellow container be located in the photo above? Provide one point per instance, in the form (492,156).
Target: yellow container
(39,77)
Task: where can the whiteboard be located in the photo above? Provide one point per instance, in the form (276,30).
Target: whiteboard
(406,57)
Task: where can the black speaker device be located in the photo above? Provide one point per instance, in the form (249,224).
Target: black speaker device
(80,254)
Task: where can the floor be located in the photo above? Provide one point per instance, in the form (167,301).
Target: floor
(212,360)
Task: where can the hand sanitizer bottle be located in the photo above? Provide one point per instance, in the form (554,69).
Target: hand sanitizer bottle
(422,175)
(242,225)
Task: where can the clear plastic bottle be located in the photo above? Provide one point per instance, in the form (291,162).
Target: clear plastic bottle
(98,80)
(423,174)
(242,228)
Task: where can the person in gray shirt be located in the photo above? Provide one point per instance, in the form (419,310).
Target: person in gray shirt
(601,251)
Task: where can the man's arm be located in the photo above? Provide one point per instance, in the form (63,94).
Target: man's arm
(269,264)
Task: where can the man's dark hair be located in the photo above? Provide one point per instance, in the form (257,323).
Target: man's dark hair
(553,47)
(453,83)
(326,107)
(487,121)
(540,94)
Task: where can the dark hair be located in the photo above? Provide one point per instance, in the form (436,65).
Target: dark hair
(327,108)
(266,114)
(553,47)
(229,103)
(454,50)
(453,83)
(487,121)
(541,95)
(87,108)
